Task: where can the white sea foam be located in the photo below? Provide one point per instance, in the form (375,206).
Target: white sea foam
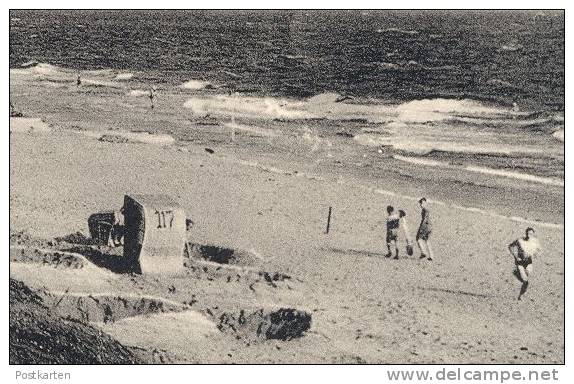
(324,98)
(326,106)
(483,170)
(138,93)
(134,137)
(431,110)
(124,76)
(468,209)
(420,161)
(559,135)
(46,69)
(516,175)
(512,47)
(195,84)
(250,129)
(424,146)
(247,107)
(57,76)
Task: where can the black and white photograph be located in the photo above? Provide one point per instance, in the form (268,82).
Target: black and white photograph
(287,186)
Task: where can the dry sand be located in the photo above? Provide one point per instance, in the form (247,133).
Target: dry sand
(460,308)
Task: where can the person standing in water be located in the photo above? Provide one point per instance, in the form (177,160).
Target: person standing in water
(151,96)
(393,223)
(523,250)
(424,231)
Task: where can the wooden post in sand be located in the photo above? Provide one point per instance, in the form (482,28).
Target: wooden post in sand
(329,220)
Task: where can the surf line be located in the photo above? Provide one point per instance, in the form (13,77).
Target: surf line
(483,170)
(342,181)
(468,209)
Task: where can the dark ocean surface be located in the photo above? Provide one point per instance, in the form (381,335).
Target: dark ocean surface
(495,56)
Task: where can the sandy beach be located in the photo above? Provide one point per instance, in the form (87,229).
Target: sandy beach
(267,194)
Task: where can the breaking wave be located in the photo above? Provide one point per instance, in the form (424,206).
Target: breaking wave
(251,107)
(195,84)
(432,110)
(138,93)
(421,147)
(559,135)
(483,170)
(124,76)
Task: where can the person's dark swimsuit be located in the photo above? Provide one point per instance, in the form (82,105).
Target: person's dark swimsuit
(521,259)
(525,262)
(425,227)
(392,228)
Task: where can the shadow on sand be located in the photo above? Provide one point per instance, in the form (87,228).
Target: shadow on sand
(105,257)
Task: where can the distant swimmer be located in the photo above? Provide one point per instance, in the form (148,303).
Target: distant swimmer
(523,250)
(393,223)
(424,231)
(151,96)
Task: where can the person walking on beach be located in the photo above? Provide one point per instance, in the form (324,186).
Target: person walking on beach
(523,250)
(393,223)
(424,231)
(78,81)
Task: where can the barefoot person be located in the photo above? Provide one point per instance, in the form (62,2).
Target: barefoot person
(523,250)
(393,223)
(405,226)
(424,231)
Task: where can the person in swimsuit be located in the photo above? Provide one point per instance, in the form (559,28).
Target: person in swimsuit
(523,250)
(393,222)
(424,231)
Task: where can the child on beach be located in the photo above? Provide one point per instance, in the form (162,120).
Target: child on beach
(403,222)
(424,231)
(393,222)
(523,250)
